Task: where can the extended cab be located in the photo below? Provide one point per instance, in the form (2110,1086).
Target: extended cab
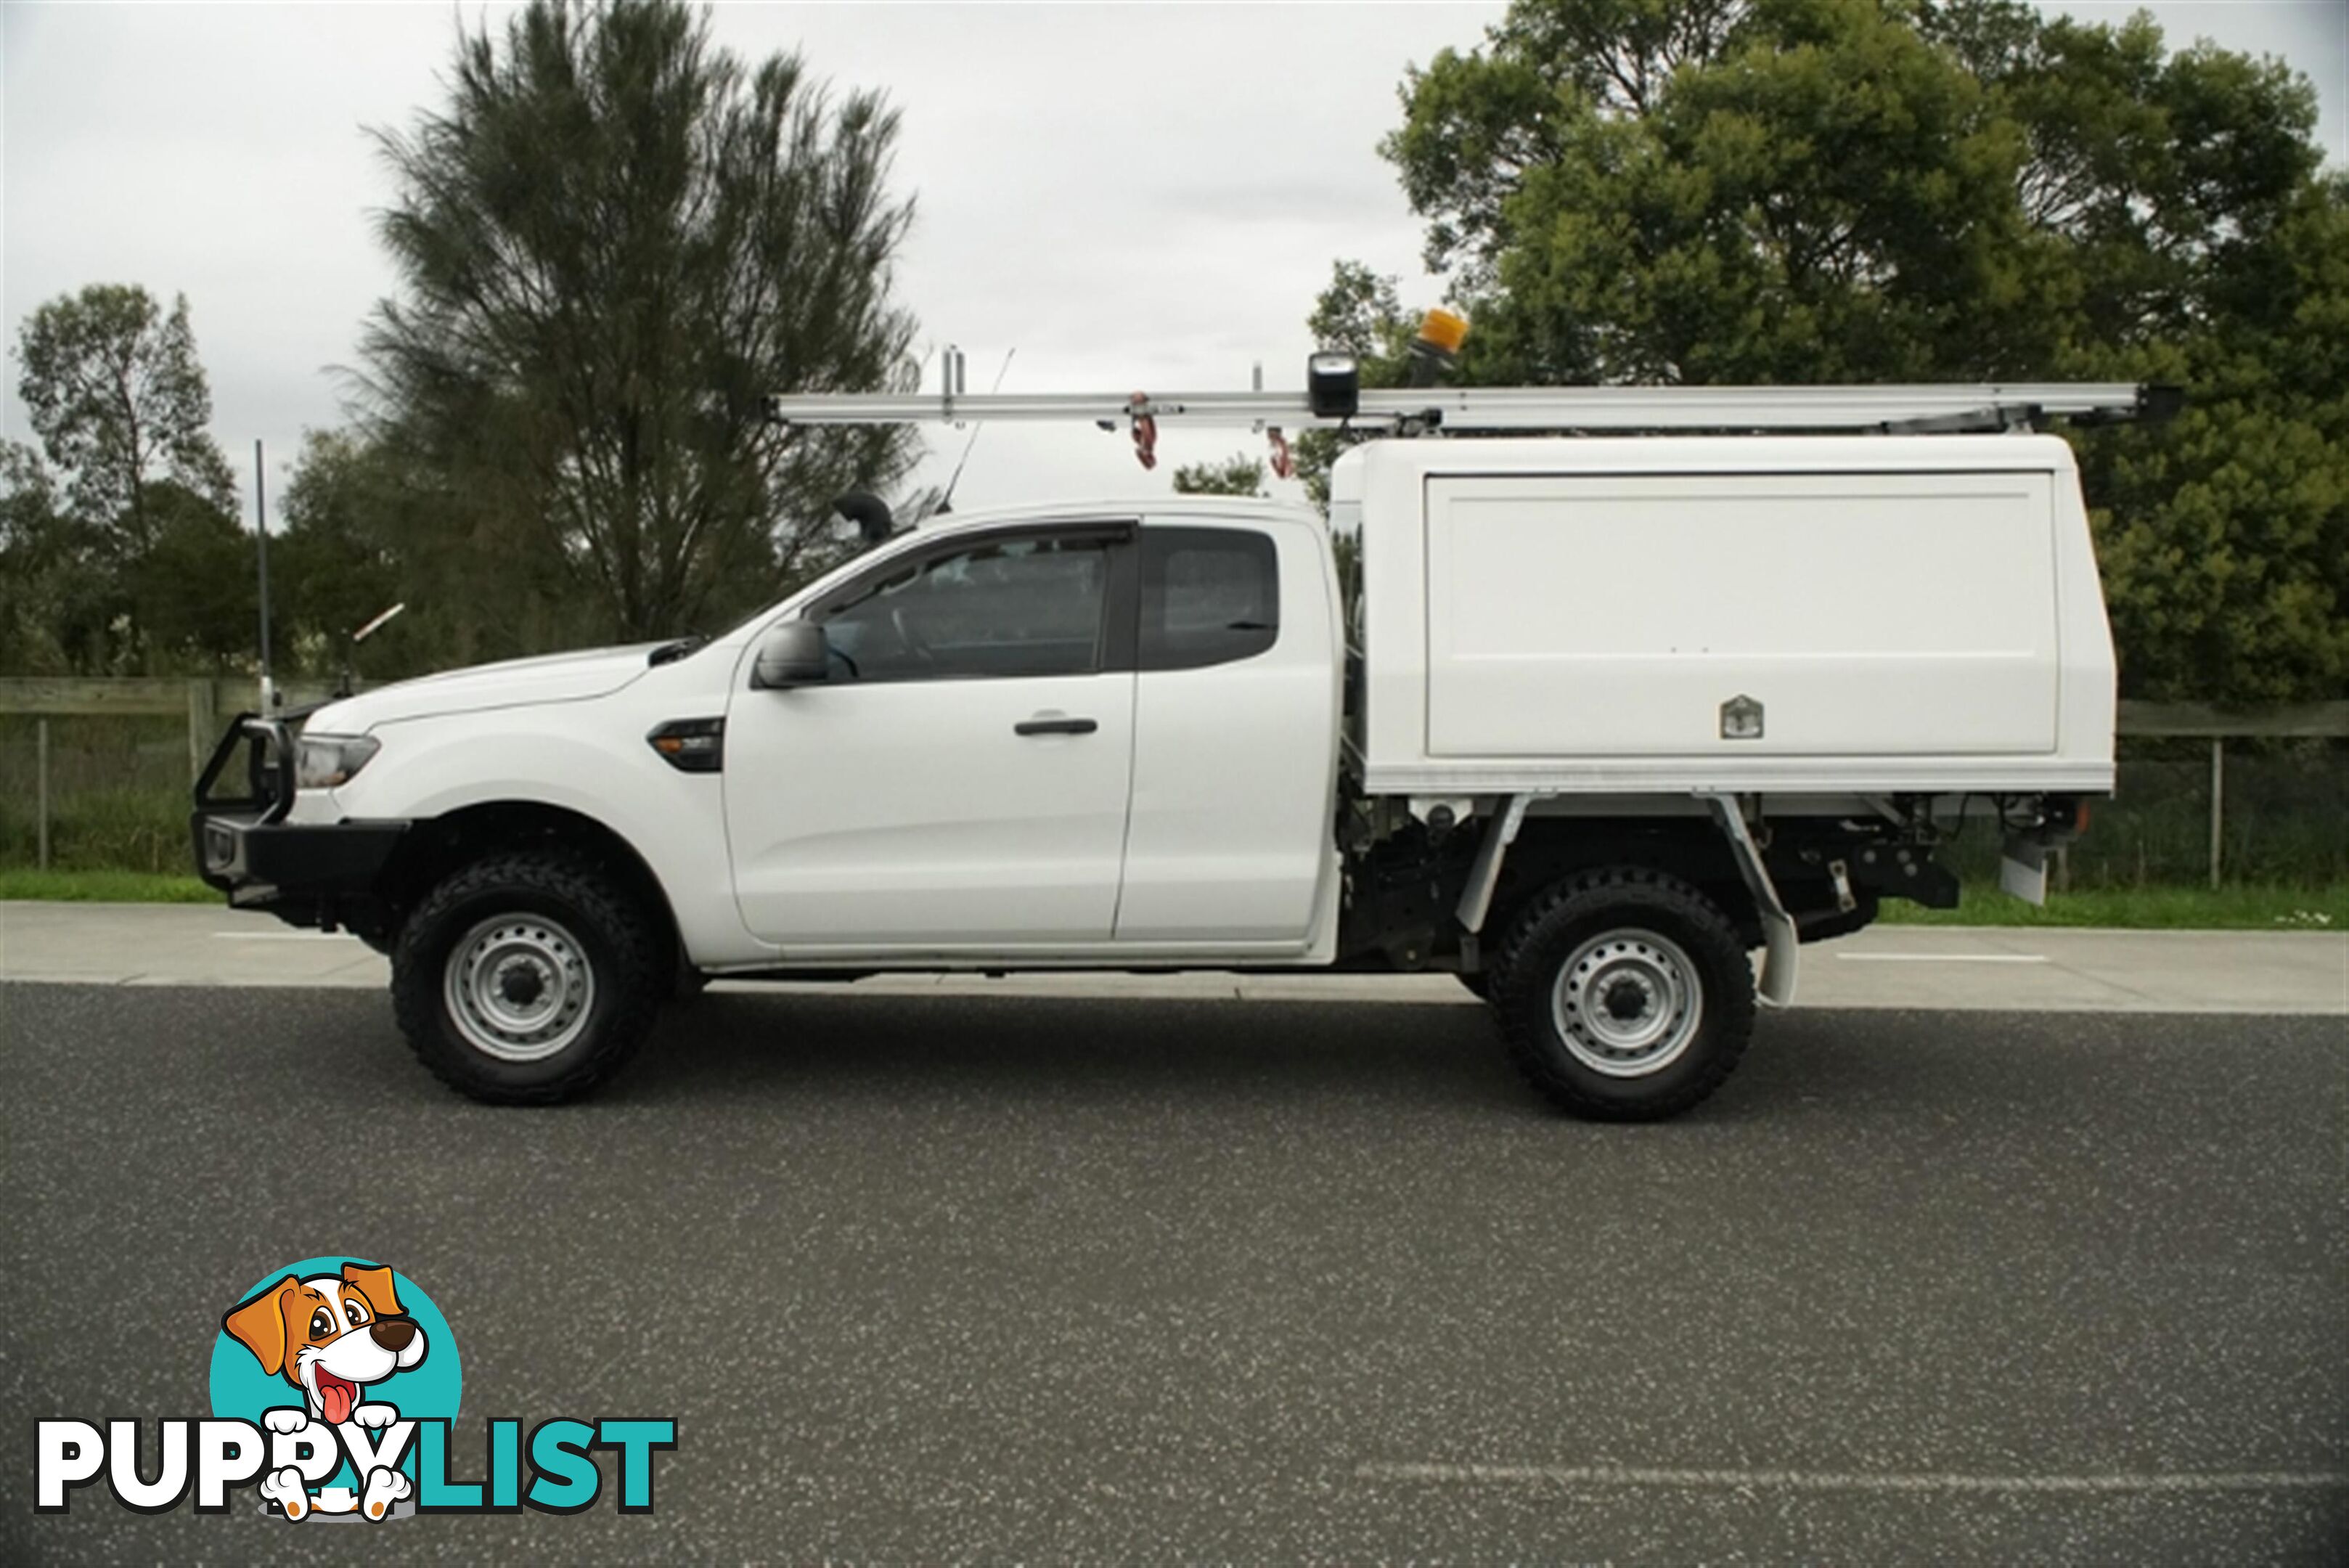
(1583,722)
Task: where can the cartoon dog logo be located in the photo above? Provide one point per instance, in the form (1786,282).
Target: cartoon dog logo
(330,1336)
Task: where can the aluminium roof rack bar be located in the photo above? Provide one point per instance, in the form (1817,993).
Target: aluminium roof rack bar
(1490,410)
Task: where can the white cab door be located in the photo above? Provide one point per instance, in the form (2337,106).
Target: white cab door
(1235,736)
(961,781)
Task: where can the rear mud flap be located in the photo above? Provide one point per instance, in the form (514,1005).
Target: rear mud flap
(2022,870)
(1779,941)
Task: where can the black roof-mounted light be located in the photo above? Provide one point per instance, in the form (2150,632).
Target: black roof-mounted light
(1333,385)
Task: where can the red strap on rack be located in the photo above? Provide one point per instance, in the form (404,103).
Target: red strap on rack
(1284,464)
(1145,429)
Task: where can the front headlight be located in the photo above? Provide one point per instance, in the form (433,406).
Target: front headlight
(324,762)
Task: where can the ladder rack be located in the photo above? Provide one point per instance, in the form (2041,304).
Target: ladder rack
(1985,406)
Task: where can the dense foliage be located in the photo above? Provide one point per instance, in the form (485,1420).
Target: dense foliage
(614,240)
(1238,474)
(118,549)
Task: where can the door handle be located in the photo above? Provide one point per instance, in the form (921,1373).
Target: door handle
(1054,727)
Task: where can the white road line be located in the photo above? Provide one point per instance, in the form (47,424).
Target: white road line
(1945,957)
(1829,1480)
(282,936)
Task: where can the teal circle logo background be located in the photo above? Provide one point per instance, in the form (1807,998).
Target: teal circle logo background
(240,1390)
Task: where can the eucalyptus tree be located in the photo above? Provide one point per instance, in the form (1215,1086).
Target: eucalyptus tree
(115,394)
(119,536)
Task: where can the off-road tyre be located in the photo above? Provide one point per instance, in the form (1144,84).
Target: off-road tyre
(617,942)
(1624,901)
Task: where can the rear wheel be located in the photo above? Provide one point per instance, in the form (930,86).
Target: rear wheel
(1624,996)
(527,979)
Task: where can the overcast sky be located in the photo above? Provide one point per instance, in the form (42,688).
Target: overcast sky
(1133,196)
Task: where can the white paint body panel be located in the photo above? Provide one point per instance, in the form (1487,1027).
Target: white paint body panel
(586,756)
(868,816)
(1235,772)
(1587,617)
(511,683)
(1912,613)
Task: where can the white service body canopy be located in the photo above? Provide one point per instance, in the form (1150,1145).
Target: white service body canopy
(1839,615)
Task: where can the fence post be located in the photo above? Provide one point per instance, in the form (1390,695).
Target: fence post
(2218,802)
(43,730)
(203,720)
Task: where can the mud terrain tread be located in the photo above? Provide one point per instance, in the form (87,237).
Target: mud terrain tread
(634,981)
(1525,966)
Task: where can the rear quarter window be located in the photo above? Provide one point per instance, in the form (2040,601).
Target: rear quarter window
(1209,595)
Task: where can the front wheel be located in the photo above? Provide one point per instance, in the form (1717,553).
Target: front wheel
(527,979)
(1625,996)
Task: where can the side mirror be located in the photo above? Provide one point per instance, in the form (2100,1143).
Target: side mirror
(794,654)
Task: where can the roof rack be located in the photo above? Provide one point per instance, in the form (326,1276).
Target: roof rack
(1913,409)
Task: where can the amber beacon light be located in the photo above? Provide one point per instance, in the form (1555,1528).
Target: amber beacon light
(1432,352)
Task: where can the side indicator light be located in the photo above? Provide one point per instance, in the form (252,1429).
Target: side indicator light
(691,745)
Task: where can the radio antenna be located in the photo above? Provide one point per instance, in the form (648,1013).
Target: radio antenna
(945,499)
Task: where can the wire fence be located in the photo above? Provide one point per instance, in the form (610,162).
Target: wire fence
(96,774)
(114,792)
(2283,820)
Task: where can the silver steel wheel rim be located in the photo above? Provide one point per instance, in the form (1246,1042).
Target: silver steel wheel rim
(518,987)
(1628,1004)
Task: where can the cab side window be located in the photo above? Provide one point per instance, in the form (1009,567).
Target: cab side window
(1209,595)
(1001,607)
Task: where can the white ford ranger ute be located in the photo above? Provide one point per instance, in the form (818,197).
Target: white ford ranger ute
(1600,717)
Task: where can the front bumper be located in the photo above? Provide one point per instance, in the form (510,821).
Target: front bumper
(307,873)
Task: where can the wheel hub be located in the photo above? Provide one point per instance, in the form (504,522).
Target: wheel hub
(522,981)
(518,987)
(1628,1002)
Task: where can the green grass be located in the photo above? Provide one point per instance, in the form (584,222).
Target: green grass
(130,829)
(2246,907)
(104,887)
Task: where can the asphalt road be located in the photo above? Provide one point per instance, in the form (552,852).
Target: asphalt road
(943,1276)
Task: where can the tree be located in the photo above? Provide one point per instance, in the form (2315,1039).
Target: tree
(1809,190)
(2205,247)
(115,392)
(58,601)
(1805,190)
(1476,125)
(613,240)
(338,564)
(2224,539)
(193,594)
(2159,176)
(121,543)
(1238,474)
(1787,191)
